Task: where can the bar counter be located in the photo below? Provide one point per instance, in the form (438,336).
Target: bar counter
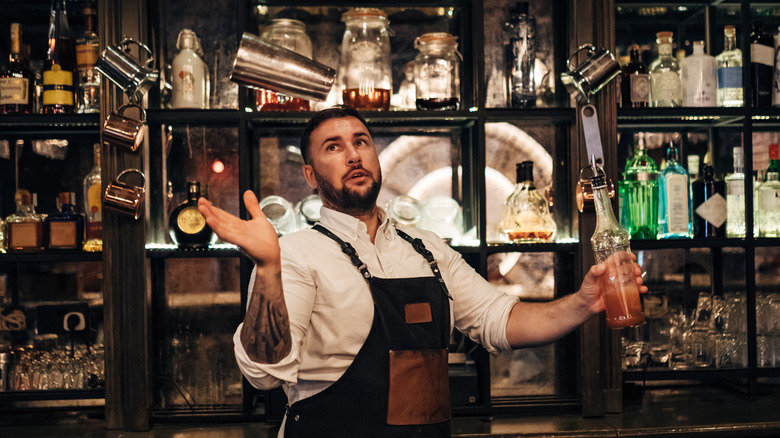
(711,411)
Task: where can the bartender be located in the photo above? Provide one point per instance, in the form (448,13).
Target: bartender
(353,317)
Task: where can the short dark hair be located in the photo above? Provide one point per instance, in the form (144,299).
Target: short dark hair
(335,112)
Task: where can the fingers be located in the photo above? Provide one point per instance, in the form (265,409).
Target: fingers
(252,206)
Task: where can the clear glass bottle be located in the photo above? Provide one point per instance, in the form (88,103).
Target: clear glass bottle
(699,78)
(93,205)
(640,191)
(186,225)
(730,91)
(769,206)
(709,205)
(611,245)
(666,86)
(87,52)
(674,190)
(735,198)
(190,74)
(762,61)
(58,84)
(365,72)
(521,53)
(290,34)
(527,216)
(17,82)
(25,227)
(65,229)
(437,72)
(634,81)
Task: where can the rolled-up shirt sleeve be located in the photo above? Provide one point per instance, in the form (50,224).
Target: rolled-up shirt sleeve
(299,293)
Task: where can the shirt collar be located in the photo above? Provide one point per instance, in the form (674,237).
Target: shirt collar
(352,227)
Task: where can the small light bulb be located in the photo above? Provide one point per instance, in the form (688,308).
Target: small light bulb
(218,166)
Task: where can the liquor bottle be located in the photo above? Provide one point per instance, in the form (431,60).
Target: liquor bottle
(666,87)
(87,52)
(2,235)
(774,158)
(190,74)
(16,80)
(699,78)
(65,229)
(187,226)
(521,50)
(776,71)
(93,205)
(25,227)
(58,91)
(634,81)
(769,206)
(611,245)
(735,198)
(730,92)
(762,61)
(527,215)
(640,203)
(709,205)
(674,210)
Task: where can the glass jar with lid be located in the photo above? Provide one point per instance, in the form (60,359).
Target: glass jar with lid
(290,34)
(437,71)
(365,73)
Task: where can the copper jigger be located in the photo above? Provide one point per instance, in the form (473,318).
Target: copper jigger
(259,64)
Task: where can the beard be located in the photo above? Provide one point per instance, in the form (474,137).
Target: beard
(348,200)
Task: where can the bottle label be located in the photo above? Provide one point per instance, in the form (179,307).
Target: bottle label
(94,230)
(735,187)
(57,86)
(191,221)
(730,77)
(63,234)
(769,199)
(25,235)
(666,87)
(13,91)
(761,54)
(86,55)
(677,203)
(94,203)
(640,88)
(700,81)
(713,210)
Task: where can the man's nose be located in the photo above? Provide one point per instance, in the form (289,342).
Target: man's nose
(353,156)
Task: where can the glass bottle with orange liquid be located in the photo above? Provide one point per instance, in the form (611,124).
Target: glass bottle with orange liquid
(290,34)
(611,245)
(365,72)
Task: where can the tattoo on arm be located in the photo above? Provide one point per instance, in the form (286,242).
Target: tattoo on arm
(266,331)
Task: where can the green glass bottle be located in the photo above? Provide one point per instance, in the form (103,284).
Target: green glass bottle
(639,206)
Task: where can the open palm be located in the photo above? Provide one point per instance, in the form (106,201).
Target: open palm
(256,237)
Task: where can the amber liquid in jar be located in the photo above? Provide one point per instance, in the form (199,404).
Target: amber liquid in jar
(526,236)
(377,99)
(621,294)
(268,100)
(444,103)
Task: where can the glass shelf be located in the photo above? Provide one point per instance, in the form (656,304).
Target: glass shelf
(52,256)
(558,247)
(71,394)
(45,124)
(697,374)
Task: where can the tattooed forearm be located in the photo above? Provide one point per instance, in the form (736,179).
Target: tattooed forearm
(266,331)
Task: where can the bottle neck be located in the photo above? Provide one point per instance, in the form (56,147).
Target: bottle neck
(664,50)
(605,217)
(730,44)
(25,210)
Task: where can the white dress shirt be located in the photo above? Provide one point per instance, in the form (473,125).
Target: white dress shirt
(330,306)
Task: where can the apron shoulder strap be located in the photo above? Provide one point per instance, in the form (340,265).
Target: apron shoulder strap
(419,246)
(347,249)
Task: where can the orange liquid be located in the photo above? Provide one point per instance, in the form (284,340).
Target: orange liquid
(518,236)
(268,100)
(621,294)
(377,99)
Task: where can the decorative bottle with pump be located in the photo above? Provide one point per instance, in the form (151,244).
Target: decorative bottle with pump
(190,74)
(187,226)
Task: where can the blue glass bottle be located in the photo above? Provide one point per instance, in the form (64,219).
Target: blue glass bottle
(674,210)
(65,229)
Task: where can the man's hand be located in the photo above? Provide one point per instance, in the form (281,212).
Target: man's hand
(590,291)
(257,238)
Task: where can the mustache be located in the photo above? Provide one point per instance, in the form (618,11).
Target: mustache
(357,167)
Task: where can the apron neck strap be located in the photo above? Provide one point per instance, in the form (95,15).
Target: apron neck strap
(347,249)
(419,246)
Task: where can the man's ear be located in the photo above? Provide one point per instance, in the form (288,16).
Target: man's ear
(308,173)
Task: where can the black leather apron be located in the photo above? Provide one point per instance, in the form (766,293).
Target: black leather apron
(398,384)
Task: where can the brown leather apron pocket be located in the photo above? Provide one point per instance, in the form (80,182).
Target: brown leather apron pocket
(419,390)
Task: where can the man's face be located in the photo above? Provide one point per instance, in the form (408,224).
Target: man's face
(344,165)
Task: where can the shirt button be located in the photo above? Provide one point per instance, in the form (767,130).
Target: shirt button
(297,417)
